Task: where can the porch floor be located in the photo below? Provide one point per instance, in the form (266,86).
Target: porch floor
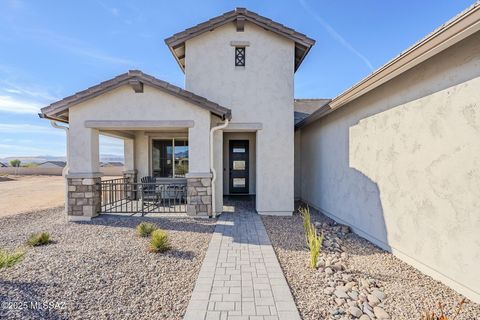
(240,277)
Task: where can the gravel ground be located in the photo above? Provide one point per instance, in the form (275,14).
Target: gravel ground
(101,269)
(408,292)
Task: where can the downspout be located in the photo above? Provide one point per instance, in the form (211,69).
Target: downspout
(212,169)
(66,168)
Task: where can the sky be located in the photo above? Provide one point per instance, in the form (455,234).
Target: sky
(51,49)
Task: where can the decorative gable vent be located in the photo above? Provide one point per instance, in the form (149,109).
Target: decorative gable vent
(240,56)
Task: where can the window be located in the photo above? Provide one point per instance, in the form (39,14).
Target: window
(170,158)
(240,56)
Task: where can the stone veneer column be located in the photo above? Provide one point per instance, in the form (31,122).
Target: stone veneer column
(199,195)
(131,175)
(131,190)
(84,197)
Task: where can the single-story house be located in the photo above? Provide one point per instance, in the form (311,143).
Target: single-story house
(52,164)
(396,156)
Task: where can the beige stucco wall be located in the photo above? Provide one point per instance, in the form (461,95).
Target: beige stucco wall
(124,104)
(297,164)
(401,165)
(260,92)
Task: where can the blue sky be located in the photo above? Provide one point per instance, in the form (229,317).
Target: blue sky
(51,49)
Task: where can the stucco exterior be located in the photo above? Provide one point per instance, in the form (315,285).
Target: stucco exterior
(401,166)
(260,92)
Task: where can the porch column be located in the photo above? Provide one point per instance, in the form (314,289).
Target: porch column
(129,160)
(84,177)
(199,178)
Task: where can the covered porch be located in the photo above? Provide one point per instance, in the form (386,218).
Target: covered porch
(166,133)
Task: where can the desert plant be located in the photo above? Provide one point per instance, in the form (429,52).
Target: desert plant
(314,243)
(159,241)
(9,259)
(39,239)
(442,316)
(15,163)
(145,229)
(307,222)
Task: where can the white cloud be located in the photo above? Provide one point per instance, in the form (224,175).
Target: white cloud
(28,128)
(14,105)
(8,150)
(335,35)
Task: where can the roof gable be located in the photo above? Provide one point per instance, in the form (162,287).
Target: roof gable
(136,79)
(176,43)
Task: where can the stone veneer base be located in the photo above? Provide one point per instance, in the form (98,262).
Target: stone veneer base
(199,196)
(84,197)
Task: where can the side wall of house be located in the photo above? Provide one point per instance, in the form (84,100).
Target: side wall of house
(401,166)
(260,92)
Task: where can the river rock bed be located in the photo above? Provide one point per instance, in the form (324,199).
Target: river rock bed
(354,279)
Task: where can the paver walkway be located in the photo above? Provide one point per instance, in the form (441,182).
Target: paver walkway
(240,277)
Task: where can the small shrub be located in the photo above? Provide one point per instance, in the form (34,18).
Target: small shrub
(159,241)
(314,243)
(144,229)
(442,315)
(10,259)
(307,222)
(39,239)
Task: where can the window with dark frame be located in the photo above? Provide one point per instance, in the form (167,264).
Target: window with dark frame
(240,56)
(170,158)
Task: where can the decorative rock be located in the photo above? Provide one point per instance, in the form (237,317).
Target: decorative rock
(328,271)
(339,301)
(379,294)
(380,313)
(364,317)
(353,295)
(344,255)
(368,312)
(341,294)
(354,311)
(373,300)
(352,303)
(350,285)
(329,291)
(345,229)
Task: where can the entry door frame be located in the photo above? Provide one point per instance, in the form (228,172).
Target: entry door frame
(239,156)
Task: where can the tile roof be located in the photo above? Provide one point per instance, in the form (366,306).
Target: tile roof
(176,43)
(59,110)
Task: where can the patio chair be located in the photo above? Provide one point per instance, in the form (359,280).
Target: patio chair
(149,191)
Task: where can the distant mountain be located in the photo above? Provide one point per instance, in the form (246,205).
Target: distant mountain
(40,159)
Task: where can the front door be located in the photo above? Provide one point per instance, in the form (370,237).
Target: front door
(238,166)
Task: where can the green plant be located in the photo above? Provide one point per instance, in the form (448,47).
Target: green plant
(159,241)
(9,259)
(144,229)
(314,243)
(442,315)
(15,163)
(307,222)
(39,239)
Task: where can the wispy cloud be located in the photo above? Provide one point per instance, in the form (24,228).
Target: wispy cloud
(13,105)
(19,128)
(69,44)
(335,35)
(8,150)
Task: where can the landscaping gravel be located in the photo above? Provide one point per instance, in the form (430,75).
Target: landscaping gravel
(354,278)
(100,269)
